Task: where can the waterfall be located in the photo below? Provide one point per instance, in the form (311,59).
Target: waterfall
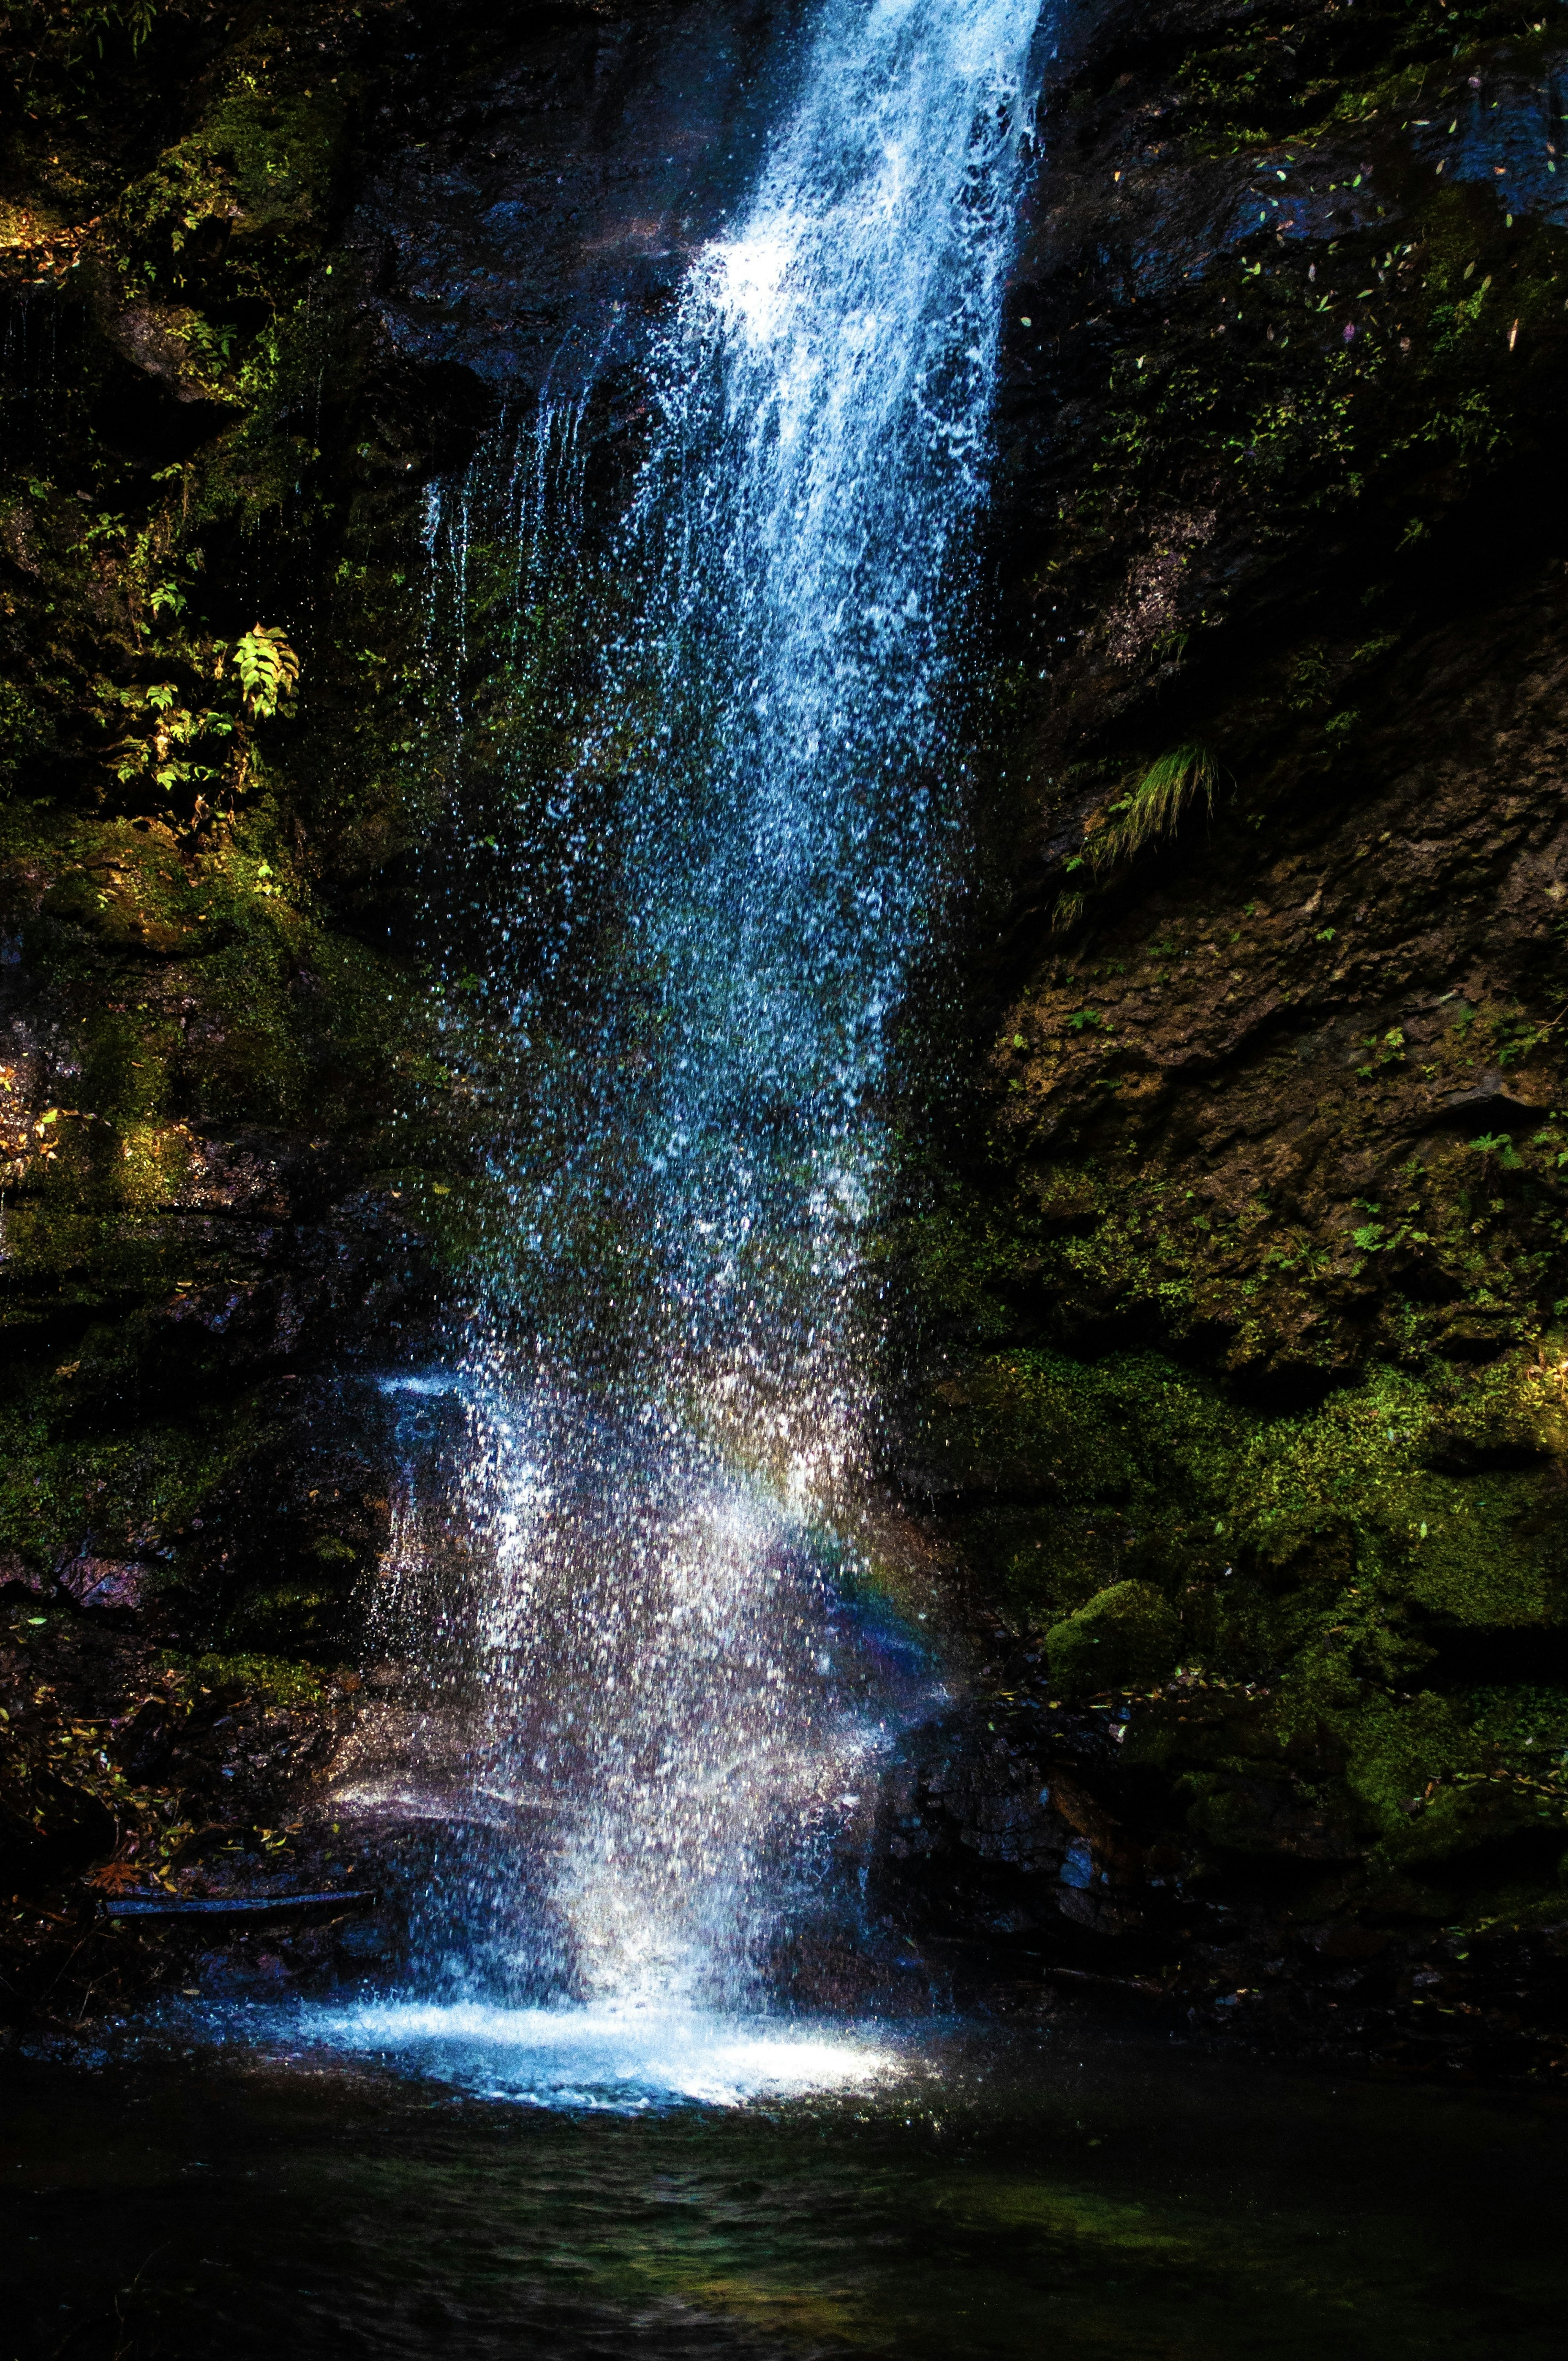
(674,1677)
(802,525)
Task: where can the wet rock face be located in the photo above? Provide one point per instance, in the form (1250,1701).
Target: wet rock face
(137,1773)
(1262,1274)
(540,204)
(1021,1855)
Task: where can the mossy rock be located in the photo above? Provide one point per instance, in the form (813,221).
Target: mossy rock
(292,1611)
(272,1680)
(1124,1638)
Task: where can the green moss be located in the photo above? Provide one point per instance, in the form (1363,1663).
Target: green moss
(133,1490)
(301,1613)
(1281,1561)
(334,1556)
(1188,1476)
(1524,1721)
(1125,1636)
(1492,1552)
(1274,75)
(279,1680)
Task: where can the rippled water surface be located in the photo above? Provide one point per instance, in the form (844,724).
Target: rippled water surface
(340,2185)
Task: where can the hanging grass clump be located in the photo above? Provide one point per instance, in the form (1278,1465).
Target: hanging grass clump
(1153,808)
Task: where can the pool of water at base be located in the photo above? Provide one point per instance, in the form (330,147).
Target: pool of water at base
(492,2184)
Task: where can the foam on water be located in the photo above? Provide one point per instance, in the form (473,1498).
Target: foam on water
(623,2059)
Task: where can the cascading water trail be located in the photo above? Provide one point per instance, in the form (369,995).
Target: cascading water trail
(673,1384)
(804,521)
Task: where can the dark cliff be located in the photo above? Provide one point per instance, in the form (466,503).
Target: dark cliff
(1240,1270)
(1259,1437)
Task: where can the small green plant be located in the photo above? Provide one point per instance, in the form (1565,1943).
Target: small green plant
(211,342)
(1310,679)
(93,18)
(165,725)
(268,667)
(137,16)
(1517,1037)
(1154,807)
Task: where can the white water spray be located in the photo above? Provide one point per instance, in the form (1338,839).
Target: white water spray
(671,1695)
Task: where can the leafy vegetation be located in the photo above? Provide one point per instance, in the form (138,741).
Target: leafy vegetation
(268,668)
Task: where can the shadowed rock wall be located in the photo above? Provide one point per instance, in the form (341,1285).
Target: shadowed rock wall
(1253,1426)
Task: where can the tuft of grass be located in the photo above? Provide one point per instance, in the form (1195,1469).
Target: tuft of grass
(1153,808)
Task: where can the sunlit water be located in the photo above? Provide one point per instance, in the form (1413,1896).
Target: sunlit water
(622,2057)
(666,1690)
(662,1695)
(794,794)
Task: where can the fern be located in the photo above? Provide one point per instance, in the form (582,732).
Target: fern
(268,667)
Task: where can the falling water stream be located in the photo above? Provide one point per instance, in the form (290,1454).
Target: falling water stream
(672,1679)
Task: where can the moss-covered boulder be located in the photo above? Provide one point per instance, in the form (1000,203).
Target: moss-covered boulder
(1120,1638)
